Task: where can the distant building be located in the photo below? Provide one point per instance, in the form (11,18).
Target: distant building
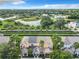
(72,25)
(60,16)
(44,14)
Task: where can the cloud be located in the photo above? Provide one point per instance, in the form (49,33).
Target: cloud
(15,2)
(53,6)
(46,6)
(56,6)
(60,6)
(18,2)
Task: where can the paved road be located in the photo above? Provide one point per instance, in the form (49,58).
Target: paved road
(34,58)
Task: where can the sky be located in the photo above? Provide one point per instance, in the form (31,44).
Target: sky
(39,4)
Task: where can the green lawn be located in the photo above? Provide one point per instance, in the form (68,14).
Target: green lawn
(30,19)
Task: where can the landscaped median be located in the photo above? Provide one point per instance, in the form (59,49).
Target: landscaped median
(40,32)
(34,58)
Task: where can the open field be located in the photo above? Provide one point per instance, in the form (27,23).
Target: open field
(30,19)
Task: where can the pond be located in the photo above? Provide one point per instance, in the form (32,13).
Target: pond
(2,19)
(31,23)
(7,18)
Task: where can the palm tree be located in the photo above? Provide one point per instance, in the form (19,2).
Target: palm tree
(76,46)
(42,49)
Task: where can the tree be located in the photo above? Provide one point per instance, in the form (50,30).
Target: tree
(30,52)
(66,55)
(57,42)
(46,21)
(73,16)
(12,51)
(14,48)
(76,46)
(42,49)
(41,43)
(60,23)
(1,23)
(57,52)
(4,53)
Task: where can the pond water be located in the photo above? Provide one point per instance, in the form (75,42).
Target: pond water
(34,23)
(8,18)
(31,23)
(2,19)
